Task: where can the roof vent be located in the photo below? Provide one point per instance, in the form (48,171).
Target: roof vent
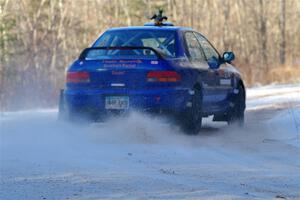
(158,20)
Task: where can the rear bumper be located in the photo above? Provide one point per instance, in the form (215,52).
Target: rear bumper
(152,100)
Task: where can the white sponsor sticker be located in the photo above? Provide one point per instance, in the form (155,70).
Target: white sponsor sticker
(225,81)
(117,84)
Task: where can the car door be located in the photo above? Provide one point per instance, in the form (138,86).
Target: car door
(198,61)
(222,81)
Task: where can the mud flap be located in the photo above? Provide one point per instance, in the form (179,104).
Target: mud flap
(61,106)
(220,118)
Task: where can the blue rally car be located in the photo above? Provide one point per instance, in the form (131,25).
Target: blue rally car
(156,68)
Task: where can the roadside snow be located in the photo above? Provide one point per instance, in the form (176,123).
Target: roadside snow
(272,90)
(273,96)
(142,157)
(286,127)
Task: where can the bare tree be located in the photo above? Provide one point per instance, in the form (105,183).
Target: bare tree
(282,32)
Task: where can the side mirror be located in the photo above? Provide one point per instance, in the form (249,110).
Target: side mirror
(228,56)
(213,63)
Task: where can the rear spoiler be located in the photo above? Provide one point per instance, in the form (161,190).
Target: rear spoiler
(83,54)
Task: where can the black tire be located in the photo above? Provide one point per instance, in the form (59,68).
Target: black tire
(191,119)
(237,114)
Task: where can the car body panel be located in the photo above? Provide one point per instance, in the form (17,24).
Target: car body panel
(128,77)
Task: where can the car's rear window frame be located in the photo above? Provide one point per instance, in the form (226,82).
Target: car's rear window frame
(95,44)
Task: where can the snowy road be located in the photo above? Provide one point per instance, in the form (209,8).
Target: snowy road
(148,158)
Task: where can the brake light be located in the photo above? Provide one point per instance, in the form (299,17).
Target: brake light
(78,77)
(163,76)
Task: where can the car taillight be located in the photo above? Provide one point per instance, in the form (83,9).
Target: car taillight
(78,77)
(163,76)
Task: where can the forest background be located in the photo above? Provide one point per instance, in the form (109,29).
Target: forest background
(39,39)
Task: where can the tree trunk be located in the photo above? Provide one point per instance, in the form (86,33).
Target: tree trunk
(226,11)
(282,32)
(263,35)
(125,7)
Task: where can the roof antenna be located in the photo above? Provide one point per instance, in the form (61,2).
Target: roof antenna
(159,18)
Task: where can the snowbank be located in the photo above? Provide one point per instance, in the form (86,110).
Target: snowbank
(142,157)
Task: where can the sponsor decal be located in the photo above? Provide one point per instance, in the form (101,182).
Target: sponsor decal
(118,72)
(120,63)
(154,62)
(117,84)
(224,81)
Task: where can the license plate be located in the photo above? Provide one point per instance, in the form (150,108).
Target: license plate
(116,102)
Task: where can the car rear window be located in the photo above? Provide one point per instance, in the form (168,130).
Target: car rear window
(102,53)
(163,41)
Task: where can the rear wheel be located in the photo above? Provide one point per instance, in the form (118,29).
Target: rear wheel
(191,119)
(237,113)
